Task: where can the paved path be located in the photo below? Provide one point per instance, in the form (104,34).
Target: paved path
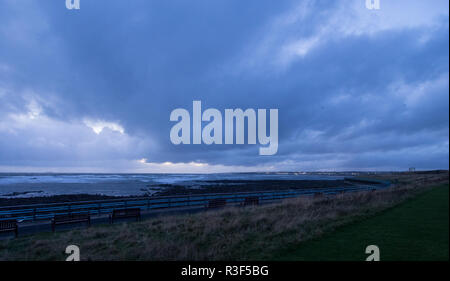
(29,228)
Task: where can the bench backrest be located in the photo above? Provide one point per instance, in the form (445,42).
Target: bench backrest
(70,217)
(8,224)
(126,212)
(252,200)
(318,194)
(216,203)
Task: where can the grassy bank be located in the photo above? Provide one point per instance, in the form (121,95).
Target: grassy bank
(229,234)
(415,230)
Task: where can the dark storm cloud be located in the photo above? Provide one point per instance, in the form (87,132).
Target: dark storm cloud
(348,96)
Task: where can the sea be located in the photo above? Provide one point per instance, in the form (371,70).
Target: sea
(19,185)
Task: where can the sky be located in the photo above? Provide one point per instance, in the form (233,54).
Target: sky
(91,90)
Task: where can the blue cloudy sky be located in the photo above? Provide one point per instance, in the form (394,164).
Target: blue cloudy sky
(92,90)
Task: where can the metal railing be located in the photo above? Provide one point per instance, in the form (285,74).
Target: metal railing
(38,212)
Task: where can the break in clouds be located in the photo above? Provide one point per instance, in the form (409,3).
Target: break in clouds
(92,90)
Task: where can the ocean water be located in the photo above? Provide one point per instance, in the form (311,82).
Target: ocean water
(29,185)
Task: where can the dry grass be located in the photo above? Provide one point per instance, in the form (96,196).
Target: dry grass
(230,234)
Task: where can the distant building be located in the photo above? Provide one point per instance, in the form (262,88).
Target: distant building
(412,169)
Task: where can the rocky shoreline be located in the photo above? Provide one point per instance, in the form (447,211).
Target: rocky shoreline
(53,199)
(228,186)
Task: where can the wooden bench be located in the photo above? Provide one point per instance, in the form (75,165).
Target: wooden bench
(9,226)
(69,219)
(251,200)
(319,195)
(125,213)
(216,203)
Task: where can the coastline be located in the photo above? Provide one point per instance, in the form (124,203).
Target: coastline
(213,186)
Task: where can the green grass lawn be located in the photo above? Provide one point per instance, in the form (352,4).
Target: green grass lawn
(414,230)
